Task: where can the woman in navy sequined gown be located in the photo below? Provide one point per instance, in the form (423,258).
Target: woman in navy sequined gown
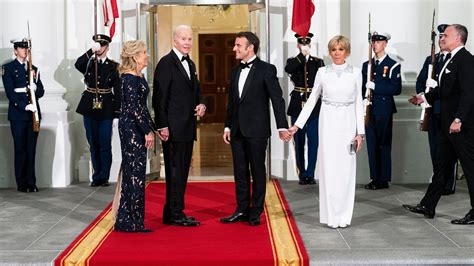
(136,131)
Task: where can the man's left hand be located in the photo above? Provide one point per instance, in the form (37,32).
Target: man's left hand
(455,127)
(200,110)
(285,135)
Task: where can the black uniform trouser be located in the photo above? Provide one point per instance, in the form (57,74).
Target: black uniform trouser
(249,152)
(434,131)
(177,156)
(24,139)
(99,137)
(379,147)
(452,147)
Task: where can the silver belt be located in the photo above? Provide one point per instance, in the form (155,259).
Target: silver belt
(337,104)
(20,90)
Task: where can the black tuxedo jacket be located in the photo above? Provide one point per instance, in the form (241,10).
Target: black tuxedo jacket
(456,91)
(175,97)
(250,113)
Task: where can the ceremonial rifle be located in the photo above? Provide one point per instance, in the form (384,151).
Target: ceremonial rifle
(426,107)
(96,102)
(31,80)
(370,77)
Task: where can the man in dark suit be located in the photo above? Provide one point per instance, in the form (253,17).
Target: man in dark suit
(99,105)
(457,120)
(385,84)
(15,78)
(177,101)
(302,70)
(247,125)
(434,122)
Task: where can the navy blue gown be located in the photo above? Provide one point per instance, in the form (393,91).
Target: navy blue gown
(135,122)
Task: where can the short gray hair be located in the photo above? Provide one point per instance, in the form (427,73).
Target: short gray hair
(180,28)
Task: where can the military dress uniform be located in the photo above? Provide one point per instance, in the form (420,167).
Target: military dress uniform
(16,83)
(434,122)
(388,82)
(295,69)
(98,121)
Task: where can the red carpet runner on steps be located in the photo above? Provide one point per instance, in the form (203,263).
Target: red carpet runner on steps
(275,242)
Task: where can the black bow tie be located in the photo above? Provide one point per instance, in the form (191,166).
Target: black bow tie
(185,58)
(245,65)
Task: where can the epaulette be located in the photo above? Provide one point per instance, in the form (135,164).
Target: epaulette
(2,71)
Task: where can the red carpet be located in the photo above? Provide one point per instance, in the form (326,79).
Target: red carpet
(275,242)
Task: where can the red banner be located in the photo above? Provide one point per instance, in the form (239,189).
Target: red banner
(110,10)
(303,10)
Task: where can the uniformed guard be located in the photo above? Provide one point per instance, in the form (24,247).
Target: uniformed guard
(100,105)
(15,78)
(386,83)
(302,71)
(434,122)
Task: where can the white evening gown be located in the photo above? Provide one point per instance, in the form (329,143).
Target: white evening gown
(340,120)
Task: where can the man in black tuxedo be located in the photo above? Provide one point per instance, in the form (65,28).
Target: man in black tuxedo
(456,140)
(247,125)
(177,101)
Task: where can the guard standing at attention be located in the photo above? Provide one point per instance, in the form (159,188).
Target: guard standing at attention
(21,111)
(386,83)
(302,70)
(100,105)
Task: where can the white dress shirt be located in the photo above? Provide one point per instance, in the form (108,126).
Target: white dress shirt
(184,62)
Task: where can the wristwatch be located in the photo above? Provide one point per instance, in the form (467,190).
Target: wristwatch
(457,120)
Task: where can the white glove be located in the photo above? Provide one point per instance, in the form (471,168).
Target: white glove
(30,108)
(33,87)
(370,85)
(431,83)
(95,47)
(305,50)
(115,122)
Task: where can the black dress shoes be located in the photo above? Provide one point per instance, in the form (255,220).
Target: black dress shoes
(254,221)
(311,181)
(105,184)
(235,217)
(33,189)
(182,222)
(94,184)
(22,189)
(420,209)
(468,219)
(374,185)
(302,182)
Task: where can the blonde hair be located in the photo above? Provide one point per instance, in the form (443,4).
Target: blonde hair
(130,49)
(342,41)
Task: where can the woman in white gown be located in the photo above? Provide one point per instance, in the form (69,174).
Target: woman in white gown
(341,132)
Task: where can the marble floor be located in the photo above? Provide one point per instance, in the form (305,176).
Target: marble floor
(36,227)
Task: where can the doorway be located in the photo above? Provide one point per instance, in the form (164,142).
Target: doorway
(216,60)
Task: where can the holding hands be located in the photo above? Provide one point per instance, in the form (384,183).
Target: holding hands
(163,134)
(149,139)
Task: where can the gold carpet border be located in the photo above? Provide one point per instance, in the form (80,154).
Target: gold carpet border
(285,244)
(91,241)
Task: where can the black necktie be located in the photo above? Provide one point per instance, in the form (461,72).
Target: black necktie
(441,58)
(377,62)
(246,65)
(448,56)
